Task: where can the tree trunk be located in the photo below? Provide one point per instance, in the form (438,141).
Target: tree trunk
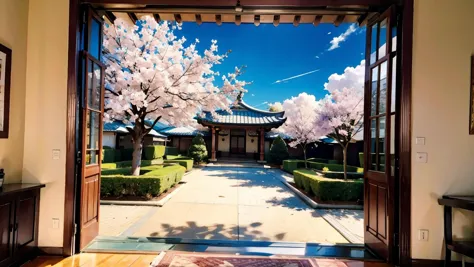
(304,153)
(344,153)
(137,139)
(137,155)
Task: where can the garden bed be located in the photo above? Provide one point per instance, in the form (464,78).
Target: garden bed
(326,202)
(152,182)
(143,198)
(323,189)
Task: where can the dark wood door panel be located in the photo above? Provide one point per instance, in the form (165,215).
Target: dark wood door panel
(91,194)
(6,228)
(25,216)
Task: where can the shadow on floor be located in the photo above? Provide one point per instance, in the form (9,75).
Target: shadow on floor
(217,232)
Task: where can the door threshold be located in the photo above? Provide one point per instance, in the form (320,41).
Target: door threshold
(248,248)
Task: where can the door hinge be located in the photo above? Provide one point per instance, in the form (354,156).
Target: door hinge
(396,240)
(75,229)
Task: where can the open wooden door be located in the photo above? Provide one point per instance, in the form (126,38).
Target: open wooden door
(92,113)
(380,136)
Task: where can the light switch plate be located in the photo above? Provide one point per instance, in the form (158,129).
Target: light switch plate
(55,223)
(420,141)
(56,154)
(422,157)
(423,235)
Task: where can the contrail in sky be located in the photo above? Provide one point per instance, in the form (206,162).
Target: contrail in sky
(296,76)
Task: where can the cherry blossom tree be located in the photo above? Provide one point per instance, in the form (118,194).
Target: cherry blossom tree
(275,107)
(340,117)
(152,75)
(301,112)
(342,111)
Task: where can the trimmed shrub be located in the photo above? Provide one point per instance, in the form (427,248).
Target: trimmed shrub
(183,161)
(334,167)
(198,150)
(278,151)
(318,160)
(150,184)
(334,161)
(170,150)
(108,155)
(127,154)
(118,155)
(153,152)
(340,175)
(173,156)
(330,189)
(124,164)
(361,159)
(290,165)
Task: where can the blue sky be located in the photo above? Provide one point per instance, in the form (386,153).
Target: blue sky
(277,53)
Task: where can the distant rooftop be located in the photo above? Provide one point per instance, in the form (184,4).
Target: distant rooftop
(243,114)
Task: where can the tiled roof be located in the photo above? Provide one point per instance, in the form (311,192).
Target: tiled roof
(243,114)
(273,135)
(183,131)
(120,127)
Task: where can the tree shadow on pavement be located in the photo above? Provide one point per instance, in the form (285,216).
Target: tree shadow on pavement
(191,230)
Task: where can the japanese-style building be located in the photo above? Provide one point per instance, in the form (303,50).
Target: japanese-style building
(240,133)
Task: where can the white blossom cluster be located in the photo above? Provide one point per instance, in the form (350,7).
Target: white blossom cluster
(151,74)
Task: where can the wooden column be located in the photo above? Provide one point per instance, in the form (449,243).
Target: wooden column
(213,142)
(262,144)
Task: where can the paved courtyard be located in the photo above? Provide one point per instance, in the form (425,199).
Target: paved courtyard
(225,204)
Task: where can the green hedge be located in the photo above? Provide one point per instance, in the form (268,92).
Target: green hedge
(340,175)
(329,189)
(153,152)
(111,155)
(293,164)
(361,159)
(128,163)
(183,161)
(173,156)
(334,167)
(290,165)
(318,160)
(334,161)
(170,150)
(150,184)
(108,155)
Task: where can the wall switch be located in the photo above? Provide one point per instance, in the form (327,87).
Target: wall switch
(421,157)
(423,235)
(420,141)
(55,223)
(56,154)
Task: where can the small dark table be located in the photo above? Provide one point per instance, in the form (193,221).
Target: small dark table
(463,247)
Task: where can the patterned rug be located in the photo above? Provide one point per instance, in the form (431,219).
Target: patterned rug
(189,259)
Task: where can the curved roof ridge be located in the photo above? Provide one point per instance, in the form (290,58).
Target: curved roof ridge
(245,105)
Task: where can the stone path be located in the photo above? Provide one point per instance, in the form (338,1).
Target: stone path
(227,203)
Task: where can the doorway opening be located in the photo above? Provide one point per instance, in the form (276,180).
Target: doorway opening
(380,155)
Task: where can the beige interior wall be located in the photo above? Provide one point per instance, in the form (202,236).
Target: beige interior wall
(443,44)
(223,145)
(249,146)
(13,34)
(45,113)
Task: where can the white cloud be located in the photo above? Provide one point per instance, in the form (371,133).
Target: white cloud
(341,38)
(296,76)
(252,94)
(317,56)
(329,33)
(353,77)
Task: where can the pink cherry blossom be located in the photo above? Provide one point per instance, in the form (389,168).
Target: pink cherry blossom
(153,75)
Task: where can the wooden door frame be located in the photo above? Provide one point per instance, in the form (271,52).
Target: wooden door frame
(404,198)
